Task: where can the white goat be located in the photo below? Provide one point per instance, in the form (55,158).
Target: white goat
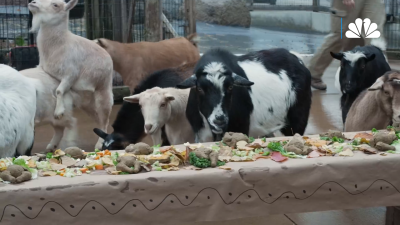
(165,107)
(78,63)
(17,113)
(46,86)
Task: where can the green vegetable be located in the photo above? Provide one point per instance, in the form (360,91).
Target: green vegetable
(157,146)
(276,146)
(92,153)
(215,148)
(374,130)
(21,162)
(391,151)
(356,142)
(325,138)
(389,127)
(336,139)
(251,139)
(266,153)
(264,139)
(198,162)
(201,163)
(124,173)
(96,150)
(340,149)
(49,155)
(114,158)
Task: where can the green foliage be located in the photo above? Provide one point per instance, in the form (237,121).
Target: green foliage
(19,41)
(198,162)
(49,155)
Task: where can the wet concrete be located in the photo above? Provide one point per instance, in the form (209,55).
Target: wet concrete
(325,114)
(241,40)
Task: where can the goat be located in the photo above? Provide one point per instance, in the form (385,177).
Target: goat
(378,106)
(165,107)
(46,86)
(78,63)
(135,61)
(256,94)
(17,113)
(129,124)
(359,69)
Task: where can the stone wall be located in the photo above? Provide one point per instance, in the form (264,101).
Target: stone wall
(223,12)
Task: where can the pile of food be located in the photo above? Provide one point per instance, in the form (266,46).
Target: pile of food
(234,147)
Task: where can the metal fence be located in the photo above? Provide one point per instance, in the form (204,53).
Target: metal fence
(121,20)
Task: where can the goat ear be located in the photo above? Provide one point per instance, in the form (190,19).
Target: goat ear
(377,85)
(169,97)
(100,133)
(370,57)
(188,83)
(241,81)
(102,42)
(132,98)
(337,56)
(70,5)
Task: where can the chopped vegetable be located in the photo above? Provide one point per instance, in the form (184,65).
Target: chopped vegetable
(325,138)
(99,167)
(49,155)
(334,139)
(374,130)
(198,162)
(251,139)
(96,150)
(83,170)
(114,158)
(278,157)
(215,148)
(266,153)
(391,151)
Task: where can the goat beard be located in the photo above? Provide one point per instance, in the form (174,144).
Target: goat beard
(36,21)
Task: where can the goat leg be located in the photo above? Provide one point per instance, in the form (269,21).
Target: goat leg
(55,141)
(65,85)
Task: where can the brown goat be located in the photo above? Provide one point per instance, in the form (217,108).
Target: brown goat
(378,106)
(134,61)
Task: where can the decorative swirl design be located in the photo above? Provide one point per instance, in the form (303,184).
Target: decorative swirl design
(284,194)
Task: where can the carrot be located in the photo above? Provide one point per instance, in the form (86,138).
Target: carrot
(83,170)
(106,152)
(99,167)
(100,154)
(62,174)
(97,157)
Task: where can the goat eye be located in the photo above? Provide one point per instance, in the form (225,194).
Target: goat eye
(386,92)
(230,88)
(162,105)
(199,89)
(55,5)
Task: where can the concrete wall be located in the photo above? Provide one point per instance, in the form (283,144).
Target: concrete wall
(293,20)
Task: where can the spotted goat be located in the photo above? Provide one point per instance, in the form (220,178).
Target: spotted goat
(359,69)
(257,94)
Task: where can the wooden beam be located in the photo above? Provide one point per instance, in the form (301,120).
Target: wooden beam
(131,19)
(169,25)
(117,23)
(190,16)
(153,22)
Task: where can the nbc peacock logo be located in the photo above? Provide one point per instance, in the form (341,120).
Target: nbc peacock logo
(370,29)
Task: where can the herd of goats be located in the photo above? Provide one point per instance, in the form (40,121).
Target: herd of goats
(178,96)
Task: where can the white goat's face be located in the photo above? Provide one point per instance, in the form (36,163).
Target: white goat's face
(49,11)
(155,106)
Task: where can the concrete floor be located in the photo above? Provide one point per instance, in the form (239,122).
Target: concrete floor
(325,114)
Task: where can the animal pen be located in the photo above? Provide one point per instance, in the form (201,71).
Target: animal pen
(120,20)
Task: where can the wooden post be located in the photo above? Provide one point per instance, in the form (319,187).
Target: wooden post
(124,20)
(190,15)
(153,22)
(315,5)
(88,19)
(96,18)
(131,18)
(117,25)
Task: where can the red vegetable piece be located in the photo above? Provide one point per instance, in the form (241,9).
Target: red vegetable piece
(278,157)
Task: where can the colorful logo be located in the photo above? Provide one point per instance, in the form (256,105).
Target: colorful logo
(370,29)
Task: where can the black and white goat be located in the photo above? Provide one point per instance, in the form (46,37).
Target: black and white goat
(359,69)
(256,94)
(129,124)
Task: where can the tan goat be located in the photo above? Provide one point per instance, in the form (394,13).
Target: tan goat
(377,107)
(135,61)
(78,63)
